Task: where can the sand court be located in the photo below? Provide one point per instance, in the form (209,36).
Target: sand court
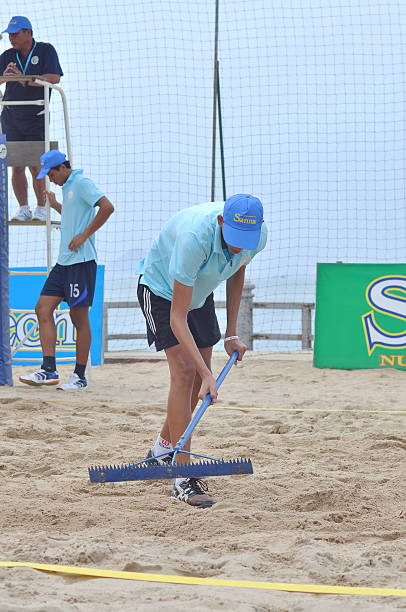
(325,505)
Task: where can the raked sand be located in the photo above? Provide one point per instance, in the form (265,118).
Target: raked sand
(326,504)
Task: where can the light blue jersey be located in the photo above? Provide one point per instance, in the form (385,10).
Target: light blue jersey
(189,249)
(80,195)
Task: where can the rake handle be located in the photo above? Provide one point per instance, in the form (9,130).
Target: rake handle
(203,406)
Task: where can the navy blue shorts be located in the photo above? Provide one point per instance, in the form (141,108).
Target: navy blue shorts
(21,129)
(202,321)
(74,284)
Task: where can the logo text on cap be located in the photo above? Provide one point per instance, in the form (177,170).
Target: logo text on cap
(248,219)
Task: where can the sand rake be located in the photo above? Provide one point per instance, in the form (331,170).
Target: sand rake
(145,470)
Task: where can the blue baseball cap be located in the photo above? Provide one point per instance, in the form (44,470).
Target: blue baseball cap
(243,217)
(18,23)
(49,160)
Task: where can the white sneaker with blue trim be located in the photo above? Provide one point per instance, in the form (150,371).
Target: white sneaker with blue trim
(40,377)
(74,383)
(39,214)
(22,214)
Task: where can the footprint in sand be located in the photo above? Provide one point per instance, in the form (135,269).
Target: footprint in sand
(133,566)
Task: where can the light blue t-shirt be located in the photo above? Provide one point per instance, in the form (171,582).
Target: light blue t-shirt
(80,195)
(189,249)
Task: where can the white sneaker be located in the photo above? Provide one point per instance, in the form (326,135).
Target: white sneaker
(22,214)
(74,383)
(39,214)
(40,377)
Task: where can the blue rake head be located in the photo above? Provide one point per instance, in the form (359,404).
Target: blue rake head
(142,471)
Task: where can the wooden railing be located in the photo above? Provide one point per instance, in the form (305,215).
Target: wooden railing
(245,321)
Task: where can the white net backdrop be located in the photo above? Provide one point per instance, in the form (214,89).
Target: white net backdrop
(312,96)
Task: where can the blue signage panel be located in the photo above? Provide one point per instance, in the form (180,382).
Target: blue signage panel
(5,357)
(24,293)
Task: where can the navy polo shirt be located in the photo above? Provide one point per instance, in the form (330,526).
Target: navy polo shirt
(43,60)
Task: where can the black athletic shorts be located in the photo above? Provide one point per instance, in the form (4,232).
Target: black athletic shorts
(202,321)
(31,127)
(74,284)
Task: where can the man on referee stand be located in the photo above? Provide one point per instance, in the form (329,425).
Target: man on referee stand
(73,278)
(195,251)
(26,122)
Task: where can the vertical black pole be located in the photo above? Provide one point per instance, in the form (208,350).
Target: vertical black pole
(223,173)
(215,93)
(5,351)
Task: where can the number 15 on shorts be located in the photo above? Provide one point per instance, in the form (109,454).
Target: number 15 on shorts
(74,290)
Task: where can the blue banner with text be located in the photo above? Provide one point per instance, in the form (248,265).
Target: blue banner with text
(24,293)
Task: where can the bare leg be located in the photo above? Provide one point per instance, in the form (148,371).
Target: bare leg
(47,330)
(183,394)
(20,185)
(206,353)
(80,319)
(38,185)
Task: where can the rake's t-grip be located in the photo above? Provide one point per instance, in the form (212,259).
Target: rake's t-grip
(148,470)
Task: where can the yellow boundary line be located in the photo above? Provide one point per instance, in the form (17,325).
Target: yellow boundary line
(221,407)
(273,586)
(252,408)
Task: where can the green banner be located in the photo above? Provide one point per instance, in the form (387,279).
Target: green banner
(360,316)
